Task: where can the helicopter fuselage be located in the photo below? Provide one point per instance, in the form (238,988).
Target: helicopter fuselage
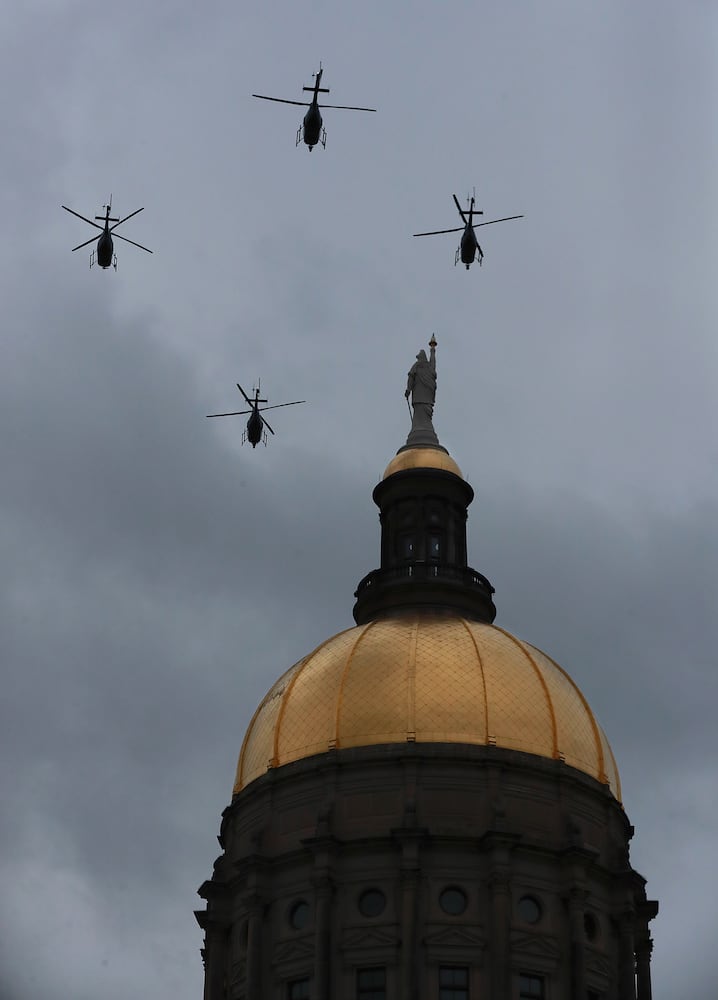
(254,428)
(468,245)
(105,249)
(312,125)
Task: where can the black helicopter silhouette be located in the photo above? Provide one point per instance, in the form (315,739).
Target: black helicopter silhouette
(469,246)
(106,256)
(254,432)
(311,129)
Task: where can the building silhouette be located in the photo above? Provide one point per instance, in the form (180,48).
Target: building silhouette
(425,806)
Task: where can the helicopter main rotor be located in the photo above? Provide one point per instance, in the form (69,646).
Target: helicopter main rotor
(107,229)
(474,225)
(255,409)
(315,91)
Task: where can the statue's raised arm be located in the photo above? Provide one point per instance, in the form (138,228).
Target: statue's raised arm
(421,386)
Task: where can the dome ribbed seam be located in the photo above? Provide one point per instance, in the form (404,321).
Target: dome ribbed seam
(483,676)
(411,685)
(542,681)
(288,691)
(345,671)
(603,777)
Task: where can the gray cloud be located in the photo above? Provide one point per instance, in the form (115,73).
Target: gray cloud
(157,577)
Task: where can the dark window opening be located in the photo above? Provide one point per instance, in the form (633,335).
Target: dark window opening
(298,989)
(453,901)
(371,984)
(299,915)
(590,926)
(372,902)
(531,987)
(434,546)
(453,982)
(529,910)
(407,546)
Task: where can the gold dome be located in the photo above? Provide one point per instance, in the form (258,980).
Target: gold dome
(425,679)
(422,458)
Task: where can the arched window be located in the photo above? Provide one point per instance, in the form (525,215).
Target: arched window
(407,546)
(372,902)
(435,547)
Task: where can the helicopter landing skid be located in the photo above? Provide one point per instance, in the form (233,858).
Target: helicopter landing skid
(300,136)
(92,260)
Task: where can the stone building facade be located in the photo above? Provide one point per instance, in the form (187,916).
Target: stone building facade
(425,806)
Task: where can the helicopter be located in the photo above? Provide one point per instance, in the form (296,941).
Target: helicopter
(469,246)
(255,432)
(106,256)
(311,129)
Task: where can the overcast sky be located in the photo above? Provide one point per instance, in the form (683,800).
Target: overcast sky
(158,577)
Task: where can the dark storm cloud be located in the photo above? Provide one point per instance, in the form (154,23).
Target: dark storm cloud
(157,577)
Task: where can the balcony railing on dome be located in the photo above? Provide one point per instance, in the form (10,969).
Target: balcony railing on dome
(427,572)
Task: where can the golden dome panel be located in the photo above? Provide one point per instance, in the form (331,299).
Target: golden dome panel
(422,458)
(427,679)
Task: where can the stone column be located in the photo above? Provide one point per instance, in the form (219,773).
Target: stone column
(255,908)
(499,843)
(323,890)
(646,910)
(409,837)
(576,909)
(500,886)
(216,961)
(627,956)
(643,968)
(409,893)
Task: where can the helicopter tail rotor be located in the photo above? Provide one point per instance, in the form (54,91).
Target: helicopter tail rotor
(316,89)
(107,209)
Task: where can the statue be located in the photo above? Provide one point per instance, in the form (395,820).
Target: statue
(421,386)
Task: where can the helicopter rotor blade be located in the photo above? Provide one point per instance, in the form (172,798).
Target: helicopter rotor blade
(92,239)
(249,401)
(436,232)
(282,100)
(266,424)
(461,211)
(277,405)
(237,413)
(73,212)
(120,221)
(505,219)
(345,107)
(118,237)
